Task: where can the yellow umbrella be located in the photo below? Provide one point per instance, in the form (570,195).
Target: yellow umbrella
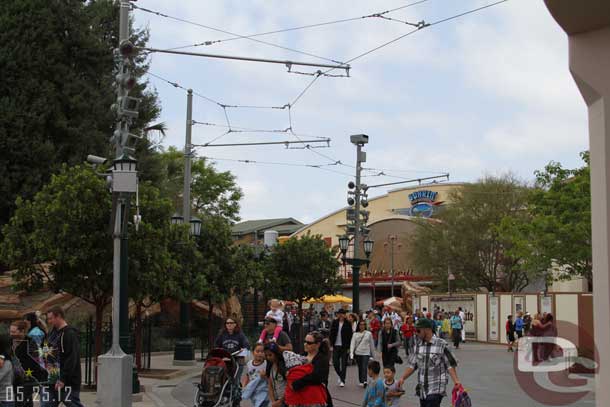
(330,299)
(345,299)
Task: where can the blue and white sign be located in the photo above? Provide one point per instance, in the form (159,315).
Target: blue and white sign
(423,204)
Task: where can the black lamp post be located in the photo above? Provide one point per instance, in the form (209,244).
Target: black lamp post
(184,350)
(356,263)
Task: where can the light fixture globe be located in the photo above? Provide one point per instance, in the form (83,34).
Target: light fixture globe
(195,226)
(343,243)
(177,219)
(368,247)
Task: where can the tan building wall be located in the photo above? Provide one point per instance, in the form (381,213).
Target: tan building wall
(380,207)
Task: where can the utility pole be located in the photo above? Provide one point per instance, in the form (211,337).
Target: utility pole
(184,351)
(360,158)
(116,367)
(357,219)
(392,238)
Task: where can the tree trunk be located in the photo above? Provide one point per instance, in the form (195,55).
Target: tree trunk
(138,335)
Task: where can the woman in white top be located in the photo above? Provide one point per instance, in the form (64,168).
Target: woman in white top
(362,348)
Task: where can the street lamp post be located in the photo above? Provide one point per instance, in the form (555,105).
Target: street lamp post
(184,350)
(355,262)
(450,278)
(392,242)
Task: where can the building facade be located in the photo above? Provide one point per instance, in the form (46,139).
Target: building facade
(392,223)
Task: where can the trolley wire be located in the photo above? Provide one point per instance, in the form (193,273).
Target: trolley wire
(158,13)
(284,30)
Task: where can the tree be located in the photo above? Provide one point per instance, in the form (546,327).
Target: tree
(213,193)
(303,268)
(62,238)
(556,234)
(466,240)
(152,263)
(56,59)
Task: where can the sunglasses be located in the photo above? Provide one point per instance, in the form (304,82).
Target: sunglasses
(418,331)
(230,323)
(310,342)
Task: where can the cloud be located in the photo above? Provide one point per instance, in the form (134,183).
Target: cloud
(486,93)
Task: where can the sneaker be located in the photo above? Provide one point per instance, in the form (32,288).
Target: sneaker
(341,384)
(361,384)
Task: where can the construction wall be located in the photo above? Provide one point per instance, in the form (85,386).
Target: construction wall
(486,313)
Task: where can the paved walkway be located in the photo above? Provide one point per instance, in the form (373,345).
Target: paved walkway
(485,370)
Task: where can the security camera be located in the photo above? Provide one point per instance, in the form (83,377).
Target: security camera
(94,159)
(359,139)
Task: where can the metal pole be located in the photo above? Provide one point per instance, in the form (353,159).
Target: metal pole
(184,351)
(449,280)
(116,369)
(250,59)
(123,293)
(392,262)
(356,266)
(116,277)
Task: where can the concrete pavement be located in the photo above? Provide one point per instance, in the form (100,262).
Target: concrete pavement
(485,370)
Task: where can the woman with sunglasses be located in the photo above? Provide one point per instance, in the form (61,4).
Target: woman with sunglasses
(232,339)
(317,351)
(362,348)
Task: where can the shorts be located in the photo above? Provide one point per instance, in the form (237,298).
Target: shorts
(510,337)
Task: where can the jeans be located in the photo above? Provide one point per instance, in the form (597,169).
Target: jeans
(457,337)
(433,400)
(70,398)
(363,365)
(340,361)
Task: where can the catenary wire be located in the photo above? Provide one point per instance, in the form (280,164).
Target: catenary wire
(400,37)
(418,28)
(283,30)
(233,34)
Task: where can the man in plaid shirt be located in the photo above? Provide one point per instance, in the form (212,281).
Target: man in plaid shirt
(434,363)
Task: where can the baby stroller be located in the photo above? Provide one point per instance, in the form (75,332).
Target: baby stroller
(219,385)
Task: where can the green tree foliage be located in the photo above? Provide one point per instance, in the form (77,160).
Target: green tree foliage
(56,59)
(66,227)
(214,193)
(302,268)
(556,234)
(465,238)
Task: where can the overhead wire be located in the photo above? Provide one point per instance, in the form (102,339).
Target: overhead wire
(285,164)
(158,13)
(400,37)
(421,25)
(283,30)
(318,74)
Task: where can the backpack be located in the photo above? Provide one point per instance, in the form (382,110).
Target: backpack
(460,397)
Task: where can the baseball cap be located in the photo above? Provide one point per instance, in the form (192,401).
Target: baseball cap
(341,311)
(270,320)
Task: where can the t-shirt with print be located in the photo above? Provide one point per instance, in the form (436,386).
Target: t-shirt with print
(254,371)
(391,388)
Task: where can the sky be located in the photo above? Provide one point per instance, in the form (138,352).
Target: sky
(484,94)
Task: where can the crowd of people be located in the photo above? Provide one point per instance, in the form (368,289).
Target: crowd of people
(40,362)
(276,376)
